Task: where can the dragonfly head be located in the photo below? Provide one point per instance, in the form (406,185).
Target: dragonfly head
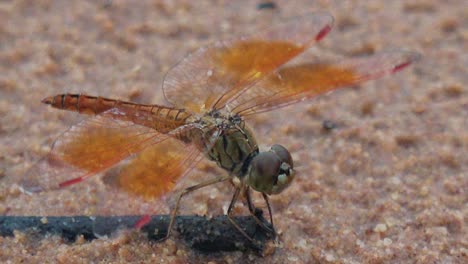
(271,171)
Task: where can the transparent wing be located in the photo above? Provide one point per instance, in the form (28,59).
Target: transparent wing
(137,188)
(296,83)
(211,76)
(92,146)
(154,162)
(156,170)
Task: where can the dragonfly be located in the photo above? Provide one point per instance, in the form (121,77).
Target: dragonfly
(210,94)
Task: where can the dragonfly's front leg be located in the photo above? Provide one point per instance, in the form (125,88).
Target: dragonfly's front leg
(252,211)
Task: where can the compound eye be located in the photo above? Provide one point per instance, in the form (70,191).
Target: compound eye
(266,166)
(283,154)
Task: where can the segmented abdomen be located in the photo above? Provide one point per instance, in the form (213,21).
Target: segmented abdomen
(93,105)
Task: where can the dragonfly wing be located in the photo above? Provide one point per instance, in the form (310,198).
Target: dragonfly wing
(296,83)
(156,170)
(92,146)
(211,76)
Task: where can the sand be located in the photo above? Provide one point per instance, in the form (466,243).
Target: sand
(388,184)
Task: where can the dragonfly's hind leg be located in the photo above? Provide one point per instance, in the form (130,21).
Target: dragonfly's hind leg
(184,192)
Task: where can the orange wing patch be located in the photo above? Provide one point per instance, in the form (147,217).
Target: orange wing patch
(156,170)
(93,147)
(247,60)
(87,148)
(296,83)
(211,76)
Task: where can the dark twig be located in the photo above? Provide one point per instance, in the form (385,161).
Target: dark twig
(206,235)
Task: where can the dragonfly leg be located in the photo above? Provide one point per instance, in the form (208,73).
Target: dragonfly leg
(229,213)
(265,197)
(252,212)
(184,192)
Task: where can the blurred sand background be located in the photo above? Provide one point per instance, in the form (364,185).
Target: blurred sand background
(387,185)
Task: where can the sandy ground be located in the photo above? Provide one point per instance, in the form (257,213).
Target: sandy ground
(387,185)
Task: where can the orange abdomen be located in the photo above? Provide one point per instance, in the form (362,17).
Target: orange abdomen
(93,105)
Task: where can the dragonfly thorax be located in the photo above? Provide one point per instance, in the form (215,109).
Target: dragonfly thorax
(227,141)
(235,150)
(225,120)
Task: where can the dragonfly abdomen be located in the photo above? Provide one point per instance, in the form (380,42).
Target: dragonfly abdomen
(169,118)
(84,104)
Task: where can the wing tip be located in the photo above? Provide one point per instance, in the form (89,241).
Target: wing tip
(323,32)
(31,189)
(143,221)
(29,183)
(70,182)
(409,58)
(328,20)
(31,186)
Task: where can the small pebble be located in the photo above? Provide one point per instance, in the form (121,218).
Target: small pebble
(387,241)
(380,228)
